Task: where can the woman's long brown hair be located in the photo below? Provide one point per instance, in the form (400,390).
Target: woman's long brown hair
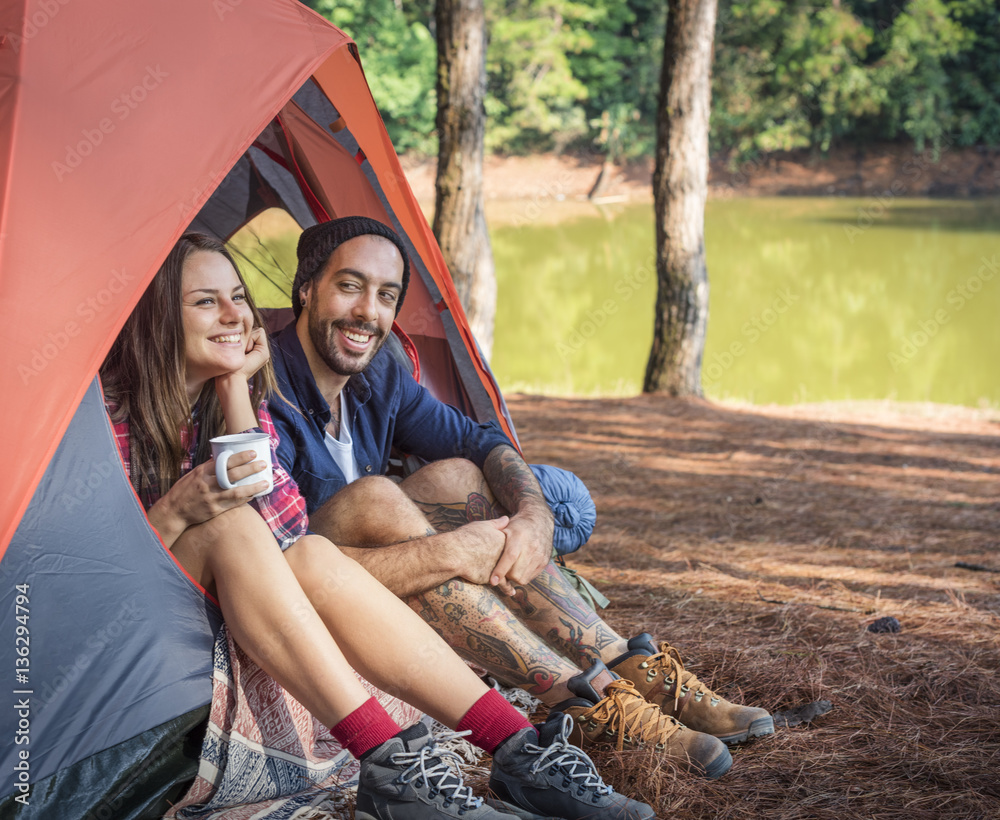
(143,377)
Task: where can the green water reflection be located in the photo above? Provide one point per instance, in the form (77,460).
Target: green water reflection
(811,300)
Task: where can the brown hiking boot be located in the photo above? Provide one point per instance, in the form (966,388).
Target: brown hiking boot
(661,679)
(622,717)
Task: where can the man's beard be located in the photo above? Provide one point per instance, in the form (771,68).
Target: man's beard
(322,335)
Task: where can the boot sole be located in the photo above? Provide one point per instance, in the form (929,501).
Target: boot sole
(718,767)
(759,728)
(512,808)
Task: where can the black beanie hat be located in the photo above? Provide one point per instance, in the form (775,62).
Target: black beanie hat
(317,244)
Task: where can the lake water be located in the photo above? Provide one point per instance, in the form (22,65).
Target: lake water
(811,300)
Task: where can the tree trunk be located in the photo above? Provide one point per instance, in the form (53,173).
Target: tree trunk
(680,187)
(603,179)
(459,221)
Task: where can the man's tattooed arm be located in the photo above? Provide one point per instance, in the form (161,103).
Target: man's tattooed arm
(529,532)
(512,482)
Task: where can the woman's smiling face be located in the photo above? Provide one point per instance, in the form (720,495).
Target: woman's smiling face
(216,318)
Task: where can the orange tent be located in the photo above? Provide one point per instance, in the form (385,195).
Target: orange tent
(116,125)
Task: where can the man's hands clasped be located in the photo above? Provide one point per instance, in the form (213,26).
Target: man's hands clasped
(526,552)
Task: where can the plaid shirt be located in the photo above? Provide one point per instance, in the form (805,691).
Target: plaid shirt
(283,508)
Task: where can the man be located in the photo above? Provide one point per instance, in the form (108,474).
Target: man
(471,524)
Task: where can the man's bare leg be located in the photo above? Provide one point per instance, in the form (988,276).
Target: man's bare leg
(551,607)
(454,492)
(370,512)
(483,629)
(536,639)
(451,493)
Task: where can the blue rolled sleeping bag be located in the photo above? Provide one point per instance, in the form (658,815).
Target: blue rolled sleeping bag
(571,505)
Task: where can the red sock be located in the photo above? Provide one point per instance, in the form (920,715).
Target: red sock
(365,728)
(492,720)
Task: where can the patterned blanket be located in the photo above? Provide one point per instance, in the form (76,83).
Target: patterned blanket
(264,756)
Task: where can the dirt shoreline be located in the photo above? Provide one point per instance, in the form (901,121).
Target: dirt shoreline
(886,171)
(763,542)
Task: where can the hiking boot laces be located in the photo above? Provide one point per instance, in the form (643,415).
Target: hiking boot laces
(667,662)
(439,769)
(631,717)
(573,763)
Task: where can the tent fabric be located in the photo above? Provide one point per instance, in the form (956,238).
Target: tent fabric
(120,638)
(140,778)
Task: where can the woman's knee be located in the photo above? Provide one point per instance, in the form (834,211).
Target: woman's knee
(322,569)
(235,523)
(201,547)
(312,552)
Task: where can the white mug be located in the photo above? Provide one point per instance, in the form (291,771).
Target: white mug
(223,447)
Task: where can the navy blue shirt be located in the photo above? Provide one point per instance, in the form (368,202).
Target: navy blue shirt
(385,407)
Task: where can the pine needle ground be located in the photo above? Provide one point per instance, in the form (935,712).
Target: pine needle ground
(763,542)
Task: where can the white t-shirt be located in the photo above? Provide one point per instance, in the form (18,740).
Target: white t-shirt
(342,448)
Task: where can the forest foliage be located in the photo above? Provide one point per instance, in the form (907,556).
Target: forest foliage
(574,74)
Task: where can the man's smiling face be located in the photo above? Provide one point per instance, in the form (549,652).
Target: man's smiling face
(351,305)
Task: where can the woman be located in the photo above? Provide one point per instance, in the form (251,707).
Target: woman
(192,363)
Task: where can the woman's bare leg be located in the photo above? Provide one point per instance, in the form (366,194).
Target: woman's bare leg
(310,615)
(381,636)
(270,617)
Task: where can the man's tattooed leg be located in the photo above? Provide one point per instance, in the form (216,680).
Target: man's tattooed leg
(482,629)
(552,608)
(451,494)
(447,516)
